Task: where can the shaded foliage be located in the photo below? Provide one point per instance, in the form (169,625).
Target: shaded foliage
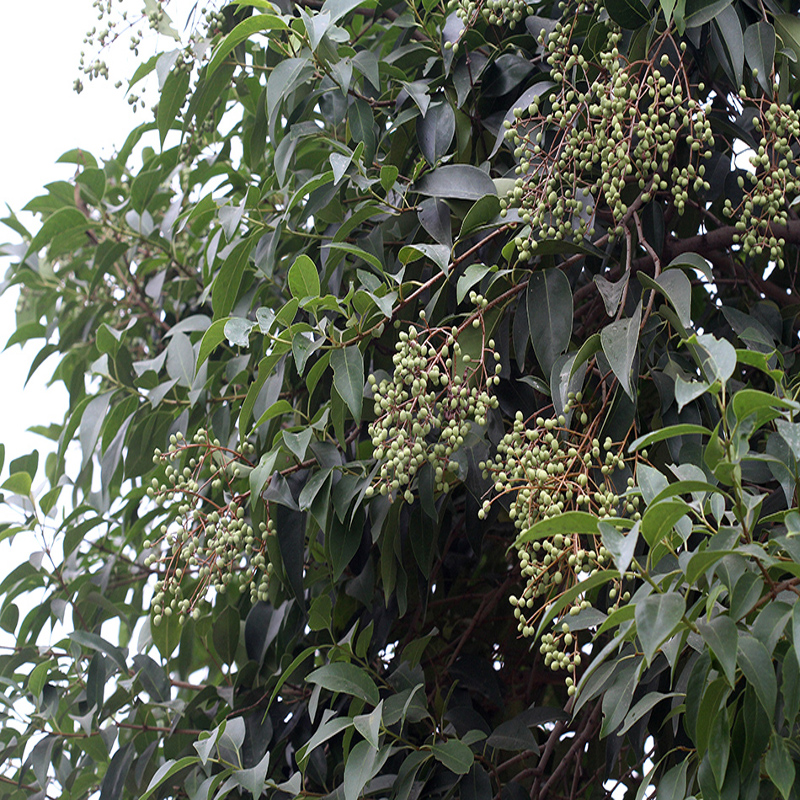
(434,376)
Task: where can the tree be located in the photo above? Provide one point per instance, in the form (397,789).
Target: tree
(434,375)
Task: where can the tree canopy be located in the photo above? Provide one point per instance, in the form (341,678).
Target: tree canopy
(433,377)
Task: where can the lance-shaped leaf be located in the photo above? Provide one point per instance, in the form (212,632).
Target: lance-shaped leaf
(456,182)
(759,50)
(619,340)
(657,616)
(348,377)
(347,679)
(549,305)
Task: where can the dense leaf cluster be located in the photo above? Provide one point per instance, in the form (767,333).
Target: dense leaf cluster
(433,370)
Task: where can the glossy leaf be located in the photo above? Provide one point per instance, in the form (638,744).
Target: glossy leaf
(657,617)
(455,755)
(779,765)
(722,638)
(303,278)
(348,377)
(243,31)
(620,340)
(630,14)
(756,665)
(346,678)
(549,303)
(456,182)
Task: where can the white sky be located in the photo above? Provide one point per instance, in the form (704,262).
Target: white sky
(42,117)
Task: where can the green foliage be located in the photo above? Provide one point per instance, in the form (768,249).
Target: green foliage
(433,373)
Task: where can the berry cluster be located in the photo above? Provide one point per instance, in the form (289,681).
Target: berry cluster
(773,184)
(544,469)
(114,24)
(425,411)
(495,12)
(605,126)
(547,469)
(209,542)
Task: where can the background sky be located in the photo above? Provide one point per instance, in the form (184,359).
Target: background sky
(40,45)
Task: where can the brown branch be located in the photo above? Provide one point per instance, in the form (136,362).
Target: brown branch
(590,727)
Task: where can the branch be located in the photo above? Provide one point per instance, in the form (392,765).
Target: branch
(590,727)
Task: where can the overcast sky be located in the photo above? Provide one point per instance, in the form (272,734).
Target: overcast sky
(40,45)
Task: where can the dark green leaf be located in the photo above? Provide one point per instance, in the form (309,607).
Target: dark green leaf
(549,304)
(779,765)
(225,289)
(455,755)
(348,377)
(642,708)
(291,536)
(304,278)
(226,634)
(153,678)
(362,127)
(722,638)
(342,544)
(660,518)
(167,634)
(684,429)
(567,523)
(456,182)
(388,177)
(620,340)
(346,678)
(242,32)
(482,213)
(731,42)
(114,780)
(95,642)
(513,735)
(757,667)
(750,401)
(173,95)
(628,13)
(435,131)
(698,12)
(787,26)
(796,630)
(63,221)
(657,616)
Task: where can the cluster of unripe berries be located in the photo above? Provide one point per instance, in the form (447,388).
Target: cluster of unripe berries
(544,469)
(605,126)
(209,543)
(213,22)
(773,184)
(495,12)
(425,411)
